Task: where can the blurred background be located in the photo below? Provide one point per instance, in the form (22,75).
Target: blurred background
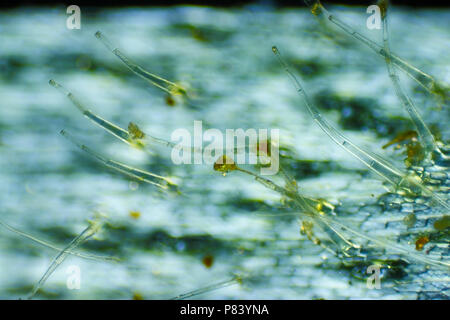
(219,226)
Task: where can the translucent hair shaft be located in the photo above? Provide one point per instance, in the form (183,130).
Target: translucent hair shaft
(422,78)
(425,135)
(138,174)
(374,162)
(152,78)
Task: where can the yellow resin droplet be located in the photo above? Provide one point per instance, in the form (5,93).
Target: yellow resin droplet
(322,204)
(224,164)
(137,296)
(317,8)
(135,214)
(402,136)
(319,206)
(208,261)
(177,90)
(421,242)
(306,228)
(135,132)
(415,153)
(170,101)
(292,185)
